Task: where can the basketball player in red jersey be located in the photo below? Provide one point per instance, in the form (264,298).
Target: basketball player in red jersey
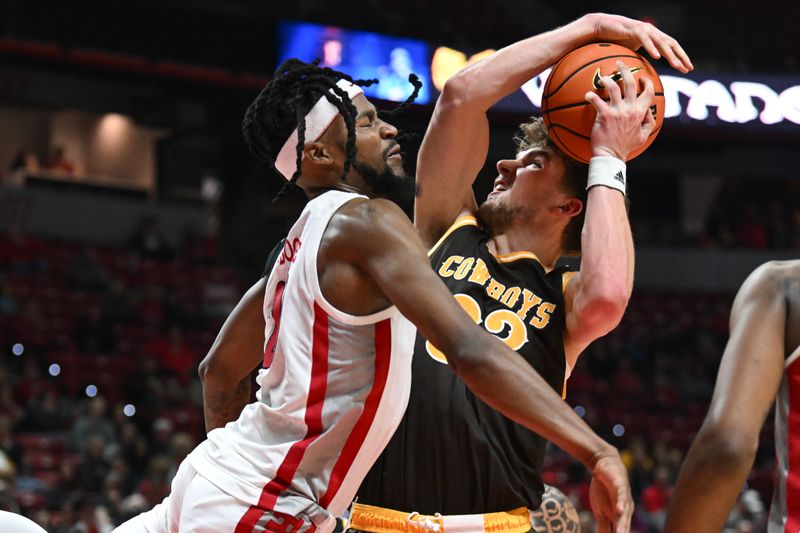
(336,365)
(760,366)
(452,455)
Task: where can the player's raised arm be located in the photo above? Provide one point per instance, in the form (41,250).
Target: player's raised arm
(456,143)
(237,350)
(597,296)
(390,252)
(723,452)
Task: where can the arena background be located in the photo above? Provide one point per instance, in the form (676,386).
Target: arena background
(132,219)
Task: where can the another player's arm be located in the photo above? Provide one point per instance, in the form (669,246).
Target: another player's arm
(455,146)
(597,296)
(722,454)
(237,350)
(389,251)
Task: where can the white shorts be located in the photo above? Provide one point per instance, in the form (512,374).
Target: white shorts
(195,505)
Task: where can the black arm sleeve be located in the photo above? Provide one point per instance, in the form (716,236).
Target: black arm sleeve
(272,257)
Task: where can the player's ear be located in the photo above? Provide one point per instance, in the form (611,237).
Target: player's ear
(318,153)
(571,207)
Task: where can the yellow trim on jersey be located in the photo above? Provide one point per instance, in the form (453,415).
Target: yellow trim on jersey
(564,391)
(513,256)
(380,520)
(460,222)
(566,277)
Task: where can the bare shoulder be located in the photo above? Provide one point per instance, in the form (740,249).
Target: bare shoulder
(773,279)
(365,214)
(362,224)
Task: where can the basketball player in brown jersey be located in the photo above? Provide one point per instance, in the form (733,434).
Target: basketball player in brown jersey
(370,258)
(453,456)
(760,366)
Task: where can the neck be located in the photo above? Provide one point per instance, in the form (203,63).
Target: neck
(335,183)
(544,243)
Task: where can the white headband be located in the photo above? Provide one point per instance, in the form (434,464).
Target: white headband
(317,121)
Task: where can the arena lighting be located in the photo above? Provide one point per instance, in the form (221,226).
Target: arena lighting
(18,349)
(129,410)
(618,430)
(91,391)
(736,102)
(54,369)
(113,129)
(580,411)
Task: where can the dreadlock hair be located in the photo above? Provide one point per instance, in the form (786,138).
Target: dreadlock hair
(283,103)
(533,134)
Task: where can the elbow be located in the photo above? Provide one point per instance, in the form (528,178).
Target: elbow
(203,368)
(457,92)
(606,307)
(723,448)
(467,356)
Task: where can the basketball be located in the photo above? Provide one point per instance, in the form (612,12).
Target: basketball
(569,117)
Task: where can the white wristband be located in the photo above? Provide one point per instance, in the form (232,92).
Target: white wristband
(608,172)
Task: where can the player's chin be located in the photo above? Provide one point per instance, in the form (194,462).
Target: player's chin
(395,163)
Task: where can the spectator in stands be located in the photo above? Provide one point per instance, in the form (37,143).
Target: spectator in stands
(750,230)
(149,241)
(163,430)
(24,163)
(46,412)
(30,328)
(65,486)
(20,252)
(639,464)
(133,448)
(777,226)
(8,305)
(9,407)
(86,272)
(116,305)
(174,355)
(156,483)
(94,467)
(25,160)
(179,447)
(94,332)
(57,161)
(654,500)
(93,423)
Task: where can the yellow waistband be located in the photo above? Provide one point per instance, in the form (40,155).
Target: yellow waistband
(380,520)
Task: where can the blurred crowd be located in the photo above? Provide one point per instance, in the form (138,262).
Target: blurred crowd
(754,214)
(100,400)
(99,396)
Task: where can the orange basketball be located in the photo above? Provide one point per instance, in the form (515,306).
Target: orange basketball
(569,117)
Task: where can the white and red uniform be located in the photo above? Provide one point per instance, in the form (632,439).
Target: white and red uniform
(332,392)
(784,514)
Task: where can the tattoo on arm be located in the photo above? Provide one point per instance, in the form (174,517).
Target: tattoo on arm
(221,406)
(556,514)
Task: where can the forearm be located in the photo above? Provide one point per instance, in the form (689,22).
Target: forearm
(607,259)
(710,481)
(223,404)
(482,84)
(507,383)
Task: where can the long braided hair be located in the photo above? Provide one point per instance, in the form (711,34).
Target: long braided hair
(283,103)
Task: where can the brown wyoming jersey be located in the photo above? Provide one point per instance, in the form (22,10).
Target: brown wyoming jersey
(452,453)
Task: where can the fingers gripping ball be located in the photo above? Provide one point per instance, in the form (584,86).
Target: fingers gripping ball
(556,514)
(569,117)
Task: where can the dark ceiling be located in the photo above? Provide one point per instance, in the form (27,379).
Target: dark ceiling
(239,34)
